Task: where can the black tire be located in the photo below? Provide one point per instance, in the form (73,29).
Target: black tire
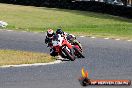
(72,58)
(79,52)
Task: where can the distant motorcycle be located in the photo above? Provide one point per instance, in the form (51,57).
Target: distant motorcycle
(62,47)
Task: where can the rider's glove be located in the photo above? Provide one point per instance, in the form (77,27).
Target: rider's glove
(46,41)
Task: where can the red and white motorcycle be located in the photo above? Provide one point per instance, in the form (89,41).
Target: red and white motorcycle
(62,47)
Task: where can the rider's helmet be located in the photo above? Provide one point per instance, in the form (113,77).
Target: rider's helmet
(73,36)
(55,37)
(50,33)
(59,31)
(70,38)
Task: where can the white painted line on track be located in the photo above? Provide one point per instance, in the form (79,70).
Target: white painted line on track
(93,37)
(35,32)
(36,64)
(82,36)
(117,39)
(129,40)
(24,31)
(9,30)
(106,38)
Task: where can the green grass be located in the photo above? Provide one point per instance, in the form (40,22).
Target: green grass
(12,57)
(78,22)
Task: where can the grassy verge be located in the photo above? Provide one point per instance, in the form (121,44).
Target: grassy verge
(11,57)
(38,19)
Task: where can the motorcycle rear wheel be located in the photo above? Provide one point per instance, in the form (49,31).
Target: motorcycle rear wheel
(69,56)
(79,52)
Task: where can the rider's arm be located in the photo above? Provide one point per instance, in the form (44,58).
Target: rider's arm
(75,41)
(46,40)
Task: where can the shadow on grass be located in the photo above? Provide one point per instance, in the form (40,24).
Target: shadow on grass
(92,14)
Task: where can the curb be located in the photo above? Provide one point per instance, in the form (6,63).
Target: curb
(35,64)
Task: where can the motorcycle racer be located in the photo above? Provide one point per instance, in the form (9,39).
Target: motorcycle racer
(52,50)
(56,37)
(62,33)
(61,47)
(52,38)
(48,40)
(76,46)
(70,37)
(49,36)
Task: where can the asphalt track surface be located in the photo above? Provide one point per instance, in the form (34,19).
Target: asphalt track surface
(105,59)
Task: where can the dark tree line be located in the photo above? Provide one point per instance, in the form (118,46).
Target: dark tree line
(49,2)
(36,2)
